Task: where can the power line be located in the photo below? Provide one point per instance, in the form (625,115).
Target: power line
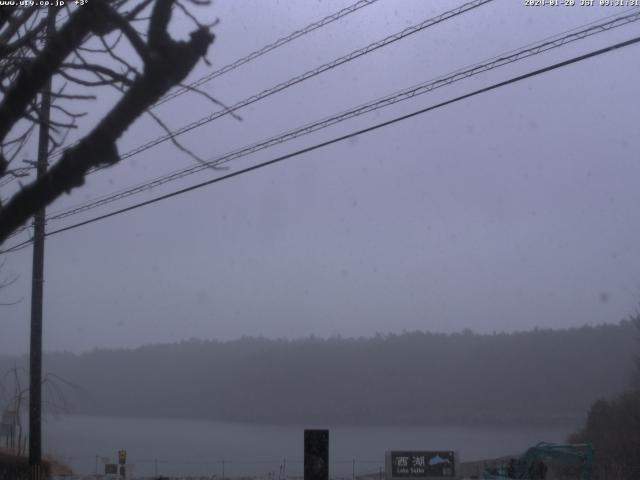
(239,62)
(465,72)
(309,74)
(298,79)
(460,74)
(268,48)
(305,76)
(406,94)
(342,137)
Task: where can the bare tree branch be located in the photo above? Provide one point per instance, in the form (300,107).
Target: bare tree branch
(212,99)
(137,9)
(33,77)
(8,48)
(134,38)
(93,68)
(14,25)
(166,63)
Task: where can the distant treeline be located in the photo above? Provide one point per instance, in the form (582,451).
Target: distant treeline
(534,377)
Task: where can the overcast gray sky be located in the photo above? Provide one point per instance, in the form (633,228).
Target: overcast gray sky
(510,210)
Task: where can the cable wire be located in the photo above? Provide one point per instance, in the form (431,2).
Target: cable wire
(268,48)
(296,80)
(383,102)
(242,61)
(460,74)
(309,74)
(341,138)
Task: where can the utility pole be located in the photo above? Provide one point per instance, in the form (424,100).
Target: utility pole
(37,280)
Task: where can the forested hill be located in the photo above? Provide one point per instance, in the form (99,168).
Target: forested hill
(540,376)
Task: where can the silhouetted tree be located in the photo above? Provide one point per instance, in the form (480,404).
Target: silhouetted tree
(543,376)
(84,51)
(6,280)
(635,319)
(613,427)
(14,398)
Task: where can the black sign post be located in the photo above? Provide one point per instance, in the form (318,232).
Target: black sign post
(423,465)
(316,455)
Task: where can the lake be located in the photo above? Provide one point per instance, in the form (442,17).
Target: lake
(203,447)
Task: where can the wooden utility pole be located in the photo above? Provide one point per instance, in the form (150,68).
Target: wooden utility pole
(37,280)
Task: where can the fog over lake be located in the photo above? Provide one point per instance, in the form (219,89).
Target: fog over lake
(197,447)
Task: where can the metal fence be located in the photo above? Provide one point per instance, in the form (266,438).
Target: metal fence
(222,469)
